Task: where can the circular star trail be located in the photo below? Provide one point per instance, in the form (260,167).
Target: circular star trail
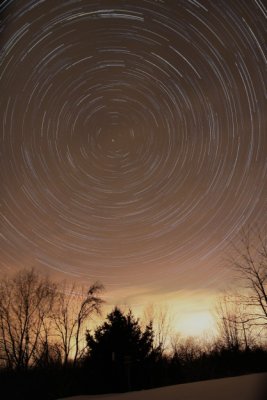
(133,135)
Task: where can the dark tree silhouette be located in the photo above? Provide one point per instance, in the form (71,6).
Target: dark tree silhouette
(119,348)
(26,301)
(73,308)
(235,330)
(250,262)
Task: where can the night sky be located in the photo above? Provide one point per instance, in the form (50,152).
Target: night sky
(133,141)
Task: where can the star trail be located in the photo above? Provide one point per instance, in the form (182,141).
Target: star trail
(133,138)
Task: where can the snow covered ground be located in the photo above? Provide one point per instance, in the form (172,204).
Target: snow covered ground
(246,387)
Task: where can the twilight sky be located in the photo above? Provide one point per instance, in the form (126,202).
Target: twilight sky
(133,141)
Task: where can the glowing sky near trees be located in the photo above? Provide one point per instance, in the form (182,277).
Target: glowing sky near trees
(133,139)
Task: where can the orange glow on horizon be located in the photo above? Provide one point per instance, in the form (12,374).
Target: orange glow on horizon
(196,324)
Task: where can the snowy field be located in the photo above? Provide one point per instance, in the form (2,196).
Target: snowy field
(246,387)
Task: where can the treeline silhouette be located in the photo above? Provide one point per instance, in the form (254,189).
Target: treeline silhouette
(48,349)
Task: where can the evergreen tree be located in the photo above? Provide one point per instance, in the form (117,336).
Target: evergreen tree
(120,337)
(119,349)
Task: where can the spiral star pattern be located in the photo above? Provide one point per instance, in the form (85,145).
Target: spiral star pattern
(133,136)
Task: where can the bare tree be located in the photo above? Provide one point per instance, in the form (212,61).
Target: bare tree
(185,349)
(26,300)
(250,262)
(161,322)
(227,323)
(72,310)
(234,327)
